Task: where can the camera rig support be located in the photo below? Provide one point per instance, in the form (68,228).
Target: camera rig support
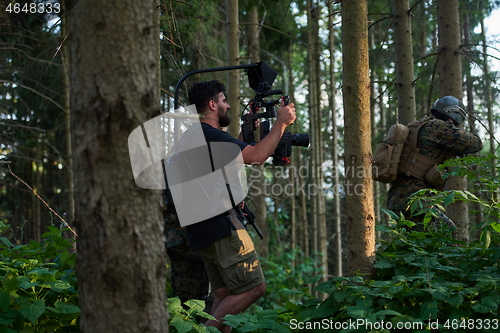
(206,70)
(260,78)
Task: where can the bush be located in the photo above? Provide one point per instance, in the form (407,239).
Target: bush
(38,285)
(424,281)
(185,319)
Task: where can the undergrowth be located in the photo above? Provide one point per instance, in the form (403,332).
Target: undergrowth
(423,281)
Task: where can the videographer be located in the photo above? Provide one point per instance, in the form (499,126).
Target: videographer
(228,252)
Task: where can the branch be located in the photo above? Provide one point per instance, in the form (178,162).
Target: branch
(283,33)
(36,92)
(13,48)
(485,128)
(23,126)
(415,5)
(482,53)
(39,197)
(389,16)
(23,78)
(168,93)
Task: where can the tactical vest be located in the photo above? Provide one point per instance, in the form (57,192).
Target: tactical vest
(422,167)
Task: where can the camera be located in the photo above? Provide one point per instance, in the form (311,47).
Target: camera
(260,79)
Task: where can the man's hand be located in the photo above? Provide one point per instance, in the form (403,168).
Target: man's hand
(286,114)
(258,153)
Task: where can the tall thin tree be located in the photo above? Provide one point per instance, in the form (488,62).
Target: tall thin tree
(469,84)
(404,62)
(257,175)
(450,83)
(489,99)
(358,155)
(233,59)
(318,198)
(335,154)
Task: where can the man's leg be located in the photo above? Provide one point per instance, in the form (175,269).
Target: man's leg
(225,304)
(235,274)
(218,295)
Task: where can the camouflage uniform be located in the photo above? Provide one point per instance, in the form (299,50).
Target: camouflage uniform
(188,276)
(435,138)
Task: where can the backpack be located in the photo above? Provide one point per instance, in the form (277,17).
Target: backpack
(398,154)
(388,154)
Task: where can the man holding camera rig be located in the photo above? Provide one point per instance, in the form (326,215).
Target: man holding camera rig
(228,252)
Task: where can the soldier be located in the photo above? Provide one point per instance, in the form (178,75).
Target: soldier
(188,276)
(438,138)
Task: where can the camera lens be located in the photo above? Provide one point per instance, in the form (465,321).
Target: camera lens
(301,140)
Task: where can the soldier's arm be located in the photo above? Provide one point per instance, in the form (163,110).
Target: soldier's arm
(460,142)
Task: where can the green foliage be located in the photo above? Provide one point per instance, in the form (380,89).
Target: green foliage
(483,172)
(38,285)
(284,270)
(263,321)
(185,319)
(420,277)
(424,281)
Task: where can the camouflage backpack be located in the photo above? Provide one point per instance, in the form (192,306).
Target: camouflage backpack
(388,154)
(398,153)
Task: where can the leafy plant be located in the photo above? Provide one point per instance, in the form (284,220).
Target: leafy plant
(38,285)
(185,319)
(284,271)
(265,320)
(483,172)
(424,281)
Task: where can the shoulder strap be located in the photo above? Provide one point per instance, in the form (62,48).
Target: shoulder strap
(414,129)
(412,162)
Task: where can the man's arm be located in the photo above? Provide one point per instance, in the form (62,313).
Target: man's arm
(259,153)
(459,141)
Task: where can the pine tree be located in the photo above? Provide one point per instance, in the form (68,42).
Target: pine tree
(356,96)
(121,254)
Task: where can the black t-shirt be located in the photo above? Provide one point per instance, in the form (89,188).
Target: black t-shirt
(206,232)
(216,135)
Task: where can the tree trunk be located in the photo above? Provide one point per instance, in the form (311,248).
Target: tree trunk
(373,123)
(450,83)
(478,216)
(304,225)
(317,196)
(253,35)
(233,59)
(322,229)
(358,156)
(488,96)
(404,62)
(121,247)
(258,178)
(294,207)
(312,31)
(337,218)
(65,51)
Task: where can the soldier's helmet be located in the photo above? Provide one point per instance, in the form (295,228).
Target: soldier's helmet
(451,107)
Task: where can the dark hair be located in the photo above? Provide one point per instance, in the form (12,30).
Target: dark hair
(201,93)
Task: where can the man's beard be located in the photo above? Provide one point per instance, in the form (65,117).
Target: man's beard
(224,119)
